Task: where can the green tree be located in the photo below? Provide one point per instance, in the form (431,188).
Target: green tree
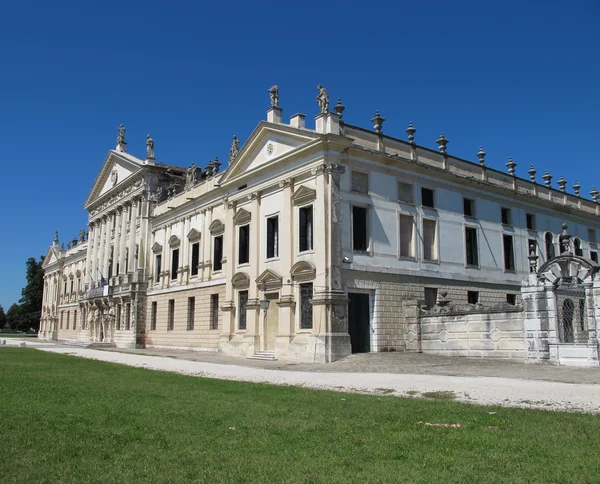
(2,318)
(32,294)
(15,317)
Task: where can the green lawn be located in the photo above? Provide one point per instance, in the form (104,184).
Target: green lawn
(66,419)
(13,335)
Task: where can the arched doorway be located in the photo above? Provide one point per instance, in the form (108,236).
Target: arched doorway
(571,310)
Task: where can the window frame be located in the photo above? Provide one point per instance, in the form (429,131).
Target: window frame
(363,173)
(310,244)
(214,311)
(508,212)
(171,315)
(191,312)
(412,245)
(399,191)
(244,312)
(505,237)
(435,241)
(194,266)
(301,324)
(533,225)
(471,203)
(246,249)
(433,200)
(471,229)
(272,246)
(367,240)
(217,265)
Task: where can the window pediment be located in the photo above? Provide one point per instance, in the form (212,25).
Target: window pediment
(193,235)
(216,227)
(241,217)
(304,195)
(303,271)
(156,247)
(240,280)
(268,279)
(174,241)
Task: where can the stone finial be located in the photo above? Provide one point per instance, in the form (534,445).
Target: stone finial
(511,166)
(562,183)
(234,150)
(378,122)
(410,131)
(547,178)
(149,148)
(564,239)
(533,257)
(594,193)
(339,108)
(274,95)
(55,241)
(481,155)
(577,188)
(442,142)
(323,99)
(121,143)
(216,164)
(532,171)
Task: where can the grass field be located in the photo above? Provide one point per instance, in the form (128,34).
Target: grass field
(13,335)
(66,419)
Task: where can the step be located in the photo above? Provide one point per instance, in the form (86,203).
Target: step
(263,355)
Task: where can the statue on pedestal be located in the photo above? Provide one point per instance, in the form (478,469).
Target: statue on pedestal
(149,148)
(190,176)
(235,149)
(274,93)
(323,99)
(82,236)
(121,135)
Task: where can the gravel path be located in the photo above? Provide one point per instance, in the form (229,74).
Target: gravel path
(547,395)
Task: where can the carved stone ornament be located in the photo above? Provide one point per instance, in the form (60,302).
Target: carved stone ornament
(149,148)
(274,94)
(114,177)
(235,149)
(323,99)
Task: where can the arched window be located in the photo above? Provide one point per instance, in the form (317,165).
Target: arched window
(577,247)
(549,239)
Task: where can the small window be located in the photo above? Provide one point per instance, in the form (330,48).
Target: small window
(75,319)
(243,301)
(360,231)
(306,295)
(174,263)
(511,299)
(549,241)
(509,255)
(405,193)
(429,240)
(68,317)
(506,216)
(360,182)
(472,297)
(594,256)
(592,236)
(153,315)
(530,221)
(217,253)
(195,258)
(171,315)
(577,246)
(191,313)
(214,311)
(407,225)
(272,237)
(427,199)
(244,244)
(472,251)
(306,228)
(430,297)
(468,207)
(157,268)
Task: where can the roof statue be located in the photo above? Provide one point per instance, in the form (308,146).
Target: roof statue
(274,93)
(82,235)
(56,237)
(149,148)
(235,149)
(190,176)
(323,99)
(121,135)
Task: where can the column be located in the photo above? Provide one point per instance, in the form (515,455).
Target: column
(123,240)
(88,254)
(117,244)
(100,273)
(107,245)
(184,262)
(207,244)
(229,305)
(144,237)
(287,324)
(96,252)
(253,306)
(132,235)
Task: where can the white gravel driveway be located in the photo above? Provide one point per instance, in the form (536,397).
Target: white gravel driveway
(547,395)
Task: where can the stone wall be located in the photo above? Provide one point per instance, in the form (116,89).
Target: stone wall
(473,331)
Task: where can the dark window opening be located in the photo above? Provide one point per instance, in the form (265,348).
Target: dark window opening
(509,257)
(471,246)
(191,313)
(218,253)
(244,248)
(427,198)
(195,258)
(550,252)
(360,233)
(157,268)
(174,263)
(306,228)
(472,297)
(153,317)
(171,316)
(214,311)
(430,297)
(511,299)
(272,237)
(468,207)
(243,301)
(577,247)
(594,256)
(505,213)
(530,221)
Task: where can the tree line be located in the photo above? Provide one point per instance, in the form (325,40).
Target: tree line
(25,315)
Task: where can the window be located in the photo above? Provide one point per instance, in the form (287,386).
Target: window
(243,301)
(577,247)
(75,319)
(530,221)
(72,283)
(65,288)
(429,240)
(127,316)
(126,260)
(405,193)
(427,198)
(174,263)
(244,245)
(406,236)
(214,311)
(306,316)
(472,297)
(468,207)
(153,315)
(118,318)
(430,297)
(306,228)
(360,235)
(191,313)
(360,182)
(550,252)
(505,215)
(272,237)
(511,299)
(171,315)
(110,263)
(218,253)
(471,246)
(195,258)
(509,256)
(62,315)
(592,236)
(157,268)
(594,256)
(68,317)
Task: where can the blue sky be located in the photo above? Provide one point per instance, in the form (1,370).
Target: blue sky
(519,78)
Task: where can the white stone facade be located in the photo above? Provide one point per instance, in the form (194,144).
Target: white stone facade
(307,247)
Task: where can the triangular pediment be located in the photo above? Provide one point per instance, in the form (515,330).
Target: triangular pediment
(241,216)
(156,248)
(52,257)
(117,168)
(268,144)
(304,195)
(193,235)
(268,278)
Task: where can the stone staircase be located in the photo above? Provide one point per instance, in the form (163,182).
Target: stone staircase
(263,355)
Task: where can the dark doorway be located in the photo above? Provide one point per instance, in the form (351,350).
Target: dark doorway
(359,326)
